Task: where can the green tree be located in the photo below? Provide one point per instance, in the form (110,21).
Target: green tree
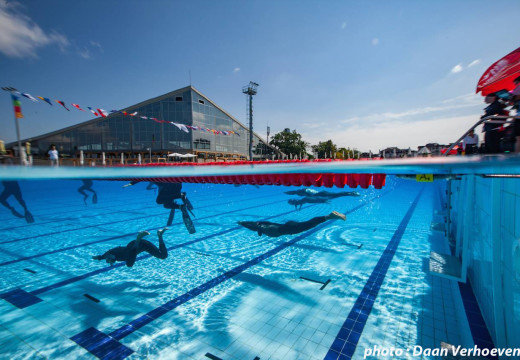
(324,149)
(289,143)
(346,153)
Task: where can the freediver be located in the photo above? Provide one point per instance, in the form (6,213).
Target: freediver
(289,228)
(167,194)
(13,188)
(307,200)
(323,193)
(129,252)
(87,186)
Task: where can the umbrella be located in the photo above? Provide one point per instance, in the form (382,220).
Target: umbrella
(501,74)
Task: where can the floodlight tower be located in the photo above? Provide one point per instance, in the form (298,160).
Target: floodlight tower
(250,90)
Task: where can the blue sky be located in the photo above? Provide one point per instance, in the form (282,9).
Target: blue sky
(365,74)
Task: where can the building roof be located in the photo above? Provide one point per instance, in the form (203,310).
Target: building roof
(133,107)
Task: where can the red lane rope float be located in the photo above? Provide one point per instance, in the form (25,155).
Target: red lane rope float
(287,179)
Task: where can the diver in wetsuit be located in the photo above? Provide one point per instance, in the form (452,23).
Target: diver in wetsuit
(13,188)
(167,194)
(291,227)
(129,252)
(87,186)
(322,194)
(307,200)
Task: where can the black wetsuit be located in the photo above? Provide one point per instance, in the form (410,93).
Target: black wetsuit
(168,192)
(129,252)
(322,194)
(289,228)
(11,188)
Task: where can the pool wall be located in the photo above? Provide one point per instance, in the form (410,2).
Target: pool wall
(485,212)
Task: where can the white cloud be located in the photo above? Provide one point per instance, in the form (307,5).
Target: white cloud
(408,128)
(20,36)
(96,44)
(402,134)
(457,68)
(474,62)
(237,69)
(343,25)
(84,53)
(375,41)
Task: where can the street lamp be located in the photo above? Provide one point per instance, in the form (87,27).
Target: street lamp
(150,152)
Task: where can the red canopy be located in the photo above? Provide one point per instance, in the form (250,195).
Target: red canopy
(501,74)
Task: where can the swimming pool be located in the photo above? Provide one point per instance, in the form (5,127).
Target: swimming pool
(338,290)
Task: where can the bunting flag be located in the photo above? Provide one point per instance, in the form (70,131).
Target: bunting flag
(77,107)
(30,97)
(62,104)
(92,111)
(17,107)
(103,113)
(47,100)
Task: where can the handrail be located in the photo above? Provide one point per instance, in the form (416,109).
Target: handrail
(493,119)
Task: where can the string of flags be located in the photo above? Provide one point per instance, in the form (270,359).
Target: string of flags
(104,113)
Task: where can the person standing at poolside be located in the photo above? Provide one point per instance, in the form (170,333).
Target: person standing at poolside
(53,156)
(516,105)
(470,143)
(492,136)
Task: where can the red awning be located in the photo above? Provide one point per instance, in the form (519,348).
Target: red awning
(501,74)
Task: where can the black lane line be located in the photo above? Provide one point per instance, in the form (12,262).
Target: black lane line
(96,342)
(90,297)
(120,236)
(347,339)
(197,197)
(91,226)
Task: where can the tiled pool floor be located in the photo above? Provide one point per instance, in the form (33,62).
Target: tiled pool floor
(225,292)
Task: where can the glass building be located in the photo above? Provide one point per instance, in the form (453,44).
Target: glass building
(118,133)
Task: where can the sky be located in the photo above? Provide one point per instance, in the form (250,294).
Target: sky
(365,74)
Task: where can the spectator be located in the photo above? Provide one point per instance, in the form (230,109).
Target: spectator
(53,155)
(470,143)
(491,134)
(516,106)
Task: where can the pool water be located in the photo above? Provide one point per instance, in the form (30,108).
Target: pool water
(225,292)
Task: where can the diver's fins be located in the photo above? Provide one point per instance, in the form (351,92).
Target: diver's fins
(28,217)
(170,218)
(187,202)
(94,198)
(187,220)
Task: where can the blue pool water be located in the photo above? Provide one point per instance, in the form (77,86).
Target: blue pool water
(225,292)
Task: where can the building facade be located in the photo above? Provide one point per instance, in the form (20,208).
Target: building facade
(118,133)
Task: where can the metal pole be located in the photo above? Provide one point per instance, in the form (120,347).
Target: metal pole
(18,137)
(250,127)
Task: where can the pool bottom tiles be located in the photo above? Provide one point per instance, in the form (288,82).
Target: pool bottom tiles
(225,292)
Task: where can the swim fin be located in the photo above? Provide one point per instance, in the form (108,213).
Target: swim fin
(28,217)
(187,202)
(187,220)
(170,218)
(94,198)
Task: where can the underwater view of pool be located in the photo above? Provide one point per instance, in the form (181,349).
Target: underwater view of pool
(223,291)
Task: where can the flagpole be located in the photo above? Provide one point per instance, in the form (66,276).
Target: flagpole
(18,137)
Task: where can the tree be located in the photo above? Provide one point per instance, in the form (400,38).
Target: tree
(347,153)
(289,142)
(324,149)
